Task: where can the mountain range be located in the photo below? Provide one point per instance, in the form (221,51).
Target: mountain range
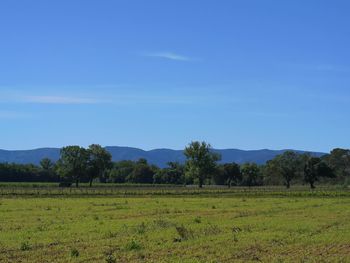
(159,157)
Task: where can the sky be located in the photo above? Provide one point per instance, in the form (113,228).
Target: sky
(245,74)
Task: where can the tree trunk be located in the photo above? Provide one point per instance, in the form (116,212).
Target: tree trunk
(312,186)
(288,184)
(200,183)
(90,182)
(76,183)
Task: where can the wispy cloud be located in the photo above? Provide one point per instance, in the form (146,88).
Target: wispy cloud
(58,100)
(11,114)
(169,56)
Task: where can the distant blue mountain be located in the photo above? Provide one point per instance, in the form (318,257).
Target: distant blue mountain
(159,157)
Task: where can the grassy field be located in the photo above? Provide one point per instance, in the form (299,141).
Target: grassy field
(178,227)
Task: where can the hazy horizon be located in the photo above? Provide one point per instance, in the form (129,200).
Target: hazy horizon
(166,148)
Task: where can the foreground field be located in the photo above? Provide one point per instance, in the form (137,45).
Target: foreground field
(174,229)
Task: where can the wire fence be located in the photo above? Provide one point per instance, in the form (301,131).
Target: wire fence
(175,191)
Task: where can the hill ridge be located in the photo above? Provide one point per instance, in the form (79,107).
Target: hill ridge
(159,157)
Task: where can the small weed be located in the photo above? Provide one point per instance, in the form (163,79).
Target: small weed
(211,230)
(111,234)
(133,245)
(236,229)
(110,258)
(163,223)
(141,229)
(74,253)
(198,220)
(25,246)
(184,233)
(41,228)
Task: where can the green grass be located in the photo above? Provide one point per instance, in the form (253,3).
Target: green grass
(180,227)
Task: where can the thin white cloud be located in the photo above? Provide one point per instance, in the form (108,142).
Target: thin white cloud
(12,114)
(58,100)
(169,56)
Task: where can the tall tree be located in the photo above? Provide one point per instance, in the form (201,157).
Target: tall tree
(46,164)
(47,170)
(271,173)
(142,173)
(120,171)
(99,161)
(314,169)
(289,165)
(250,174)
(339,161)
(73,163)
(170,175)
(232,173)
(201,161)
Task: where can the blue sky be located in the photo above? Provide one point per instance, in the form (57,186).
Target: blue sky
(154,74)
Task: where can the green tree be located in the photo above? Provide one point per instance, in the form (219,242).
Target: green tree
(218,177)
(73,163)
(201,161)
(271,173)
(99,161)
(46,164)
(47,170)
(251,174)
(232,174)
(314,169)
(289,165)
(173,174)
(339,161)
(121,171)
(142,173)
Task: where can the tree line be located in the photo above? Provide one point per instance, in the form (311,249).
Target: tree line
(77,164)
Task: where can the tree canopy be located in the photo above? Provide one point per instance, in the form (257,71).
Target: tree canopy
(201,161)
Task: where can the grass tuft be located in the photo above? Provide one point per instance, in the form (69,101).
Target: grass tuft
(25,246)
(74,253)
